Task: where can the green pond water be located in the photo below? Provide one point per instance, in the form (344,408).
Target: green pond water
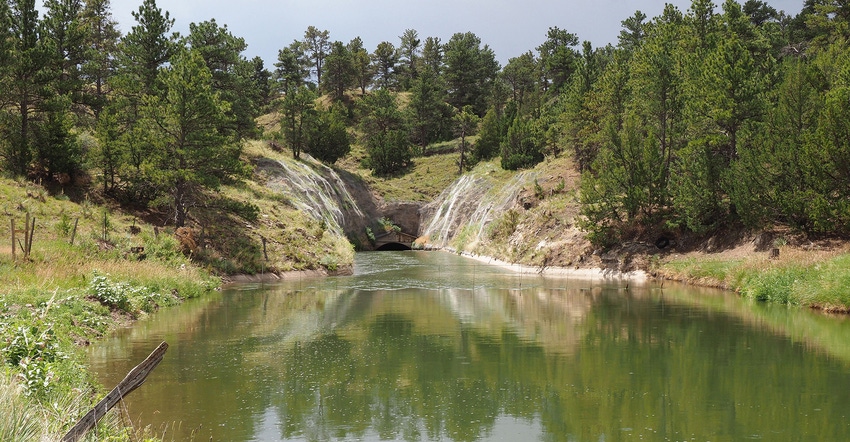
(432,346)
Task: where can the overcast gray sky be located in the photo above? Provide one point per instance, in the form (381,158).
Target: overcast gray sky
(509,27)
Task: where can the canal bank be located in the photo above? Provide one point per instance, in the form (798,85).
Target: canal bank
(425,346)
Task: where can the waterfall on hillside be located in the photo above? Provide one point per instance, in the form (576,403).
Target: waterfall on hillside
(315,189)
(474,200)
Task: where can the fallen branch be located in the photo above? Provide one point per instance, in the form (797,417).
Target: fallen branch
(134,379)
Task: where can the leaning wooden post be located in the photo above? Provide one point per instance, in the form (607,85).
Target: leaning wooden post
(13,240)
(26,236)
(74,232)
(134,379)
(265,254)
(32,233)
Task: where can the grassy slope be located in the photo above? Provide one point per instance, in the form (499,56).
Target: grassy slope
(422,182)
(66,295)
(294,241)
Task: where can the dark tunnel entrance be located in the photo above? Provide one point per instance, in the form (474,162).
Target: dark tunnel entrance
(393,247)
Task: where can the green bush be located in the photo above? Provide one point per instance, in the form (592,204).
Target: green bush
(108,293)
(32,349)
(126,297)
(389,152)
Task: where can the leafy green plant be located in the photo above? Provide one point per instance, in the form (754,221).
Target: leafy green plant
(329,262)
(163,247)
(388,225)
(32,349)
(108,293)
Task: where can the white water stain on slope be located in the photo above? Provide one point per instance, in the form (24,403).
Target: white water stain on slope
(313,188)
(473,200)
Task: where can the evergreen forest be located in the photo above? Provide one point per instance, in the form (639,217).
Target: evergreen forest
(716,116)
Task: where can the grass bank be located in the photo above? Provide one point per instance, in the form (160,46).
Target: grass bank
(808,278)
(423,181)
(92,266)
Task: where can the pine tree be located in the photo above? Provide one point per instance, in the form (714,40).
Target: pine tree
(232,74)
(409,52)
(493,130)
(66,35)
(432,55)
(29,82)
(523,146)
(361,64)
(521,74)
(466,124)
(298,117)
(316,45)
(470,70)
(146,48)
(339,72)
(101,45)
(292,68)
(191,151)
(384,61)
(328,138)
(429,114)
(386,136)
(558,58)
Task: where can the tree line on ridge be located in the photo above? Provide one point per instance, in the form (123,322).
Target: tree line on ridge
(696,119)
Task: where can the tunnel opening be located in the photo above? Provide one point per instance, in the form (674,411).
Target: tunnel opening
(393,247)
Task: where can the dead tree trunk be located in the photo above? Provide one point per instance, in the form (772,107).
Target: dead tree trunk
(134,379)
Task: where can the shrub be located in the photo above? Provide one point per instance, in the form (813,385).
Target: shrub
(505,226)
(33,349)
(389,152)
(124,296)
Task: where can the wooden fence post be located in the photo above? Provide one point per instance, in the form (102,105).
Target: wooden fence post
(134,379)
(26,236)
(13,240)
(32,233)
(74,232)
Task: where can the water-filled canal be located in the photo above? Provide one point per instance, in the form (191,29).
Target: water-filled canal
(432,346)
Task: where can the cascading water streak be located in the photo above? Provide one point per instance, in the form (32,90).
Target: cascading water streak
(474,199)
(315,189)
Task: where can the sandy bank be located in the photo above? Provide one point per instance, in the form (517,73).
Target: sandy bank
(594,274)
